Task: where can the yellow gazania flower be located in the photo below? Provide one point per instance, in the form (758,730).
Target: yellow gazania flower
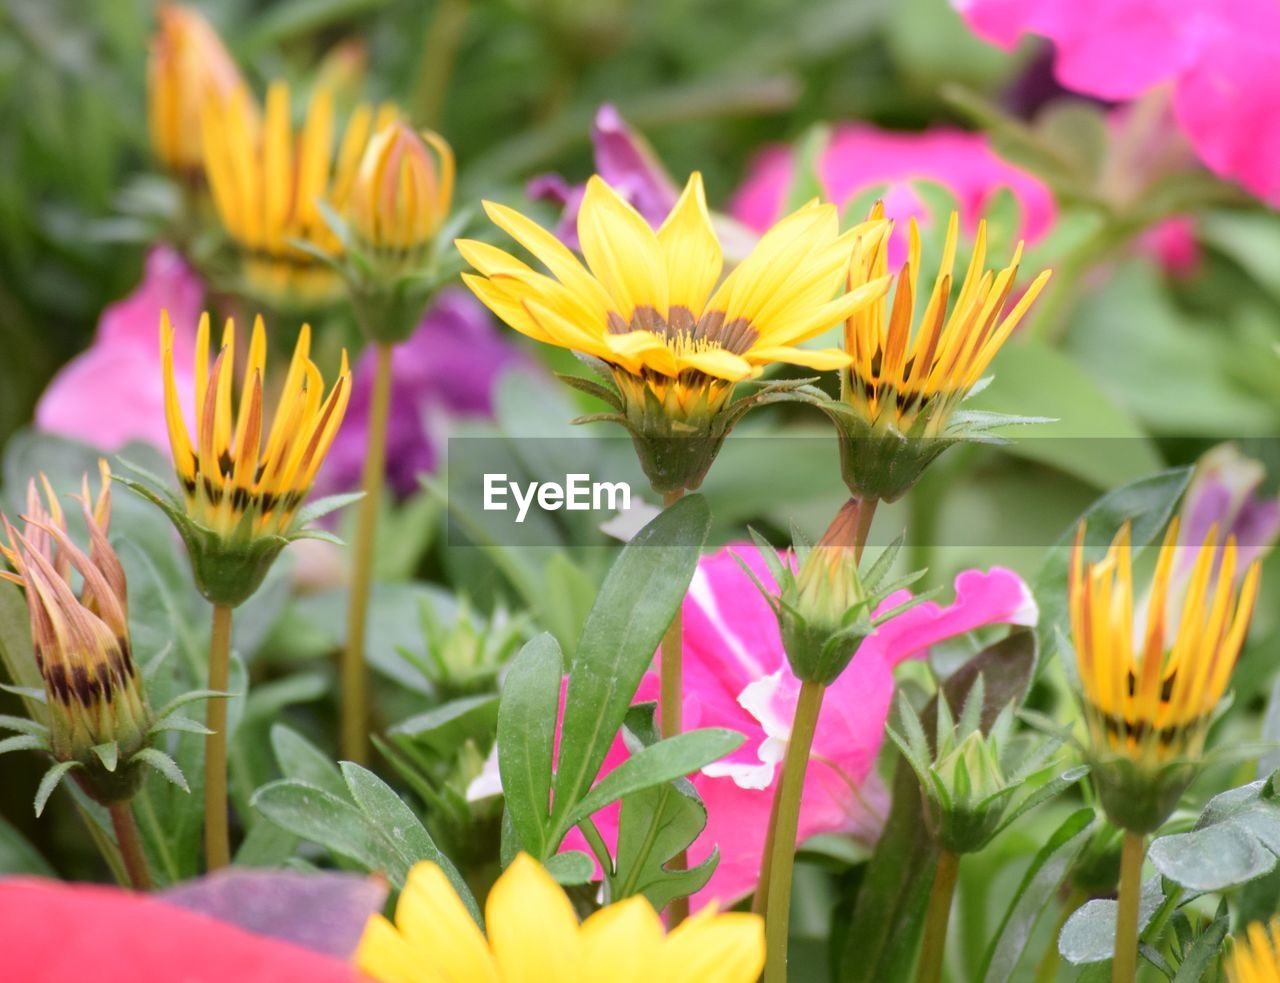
(534,935)
(911,384)
(268,183)
(1256,957)
(652,304)
(246,481)
(403,189)
(81,639)
(188,66)
(1149,698)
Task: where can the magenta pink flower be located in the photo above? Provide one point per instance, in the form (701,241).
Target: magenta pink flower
(52,932)
(859,157)
(736,676)
(1221,59)
(112,392)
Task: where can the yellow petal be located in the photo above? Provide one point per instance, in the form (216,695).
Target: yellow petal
(819,359)
(438,927)
(621,942)
(387,957)
(637,349)
(713,948)
(719,363)
(507,306)
(693,255)
(621,250)
(532,926)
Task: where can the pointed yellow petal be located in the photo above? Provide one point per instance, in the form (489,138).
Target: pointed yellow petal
(693,255)
(532,927)
(621,250)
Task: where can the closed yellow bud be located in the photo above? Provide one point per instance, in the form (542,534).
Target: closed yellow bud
(188,65)
(403,189)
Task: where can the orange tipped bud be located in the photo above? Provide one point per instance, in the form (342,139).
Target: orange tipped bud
(403,189)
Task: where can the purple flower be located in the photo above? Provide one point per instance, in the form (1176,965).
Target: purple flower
(629,165)
(446,368)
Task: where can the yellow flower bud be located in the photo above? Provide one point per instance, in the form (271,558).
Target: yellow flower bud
(188,65)
(403,189)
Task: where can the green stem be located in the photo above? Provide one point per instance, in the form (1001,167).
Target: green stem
(135,861)
(444,34)
(934,947)
(217,837)
(783,854)
(1124,965)
(355,721)
(671,704)
(1047,971)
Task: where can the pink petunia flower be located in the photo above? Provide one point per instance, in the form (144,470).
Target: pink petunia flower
(113,392)
(736,676)
(51,932)
(1220,57)
(859,157)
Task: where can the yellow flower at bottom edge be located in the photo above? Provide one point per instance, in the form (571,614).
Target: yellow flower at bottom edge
(1256,957)
(652,305)
(534,937)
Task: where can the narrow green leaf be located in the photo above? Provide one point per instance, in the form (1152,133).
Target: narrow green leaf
(1204,952)
(1034,895)
(108,754)
(637,601)
(50,782)
(22,742)
(527,718)
(165,765)
(301,760)
(665,761)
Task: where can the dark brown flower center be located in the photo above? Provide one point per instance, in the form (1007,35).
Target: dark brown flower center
(682,330)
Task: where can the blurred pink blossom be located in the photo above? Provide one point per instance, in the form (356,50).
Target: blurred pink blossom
(858,157)
(736,676)
(1221,59)
(113,391)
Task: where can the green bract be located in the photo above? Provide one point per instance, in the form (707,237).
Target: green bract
(969,780)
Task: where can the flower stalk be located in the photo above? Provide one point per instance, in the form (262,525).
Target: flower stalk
(217,836)
(934,948)
(1124,965)
(355,726)
(782,859)
(126,829)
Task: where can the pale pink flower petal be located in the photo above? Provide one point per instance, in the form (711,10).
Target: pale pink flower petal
(113,392)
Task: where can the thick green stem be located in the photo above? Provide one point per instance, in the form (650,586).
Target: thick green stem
(217,837)
(783,854)
(1124,966)
(671,703)
(934,947)
(135,861)
(355,703)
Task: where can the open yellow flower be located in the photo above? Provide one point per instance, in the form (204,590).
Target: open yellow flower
(188,66)
(1256,957)
(1149,698)
(651,303)
(268,183)
(653,308)
(534,937)
(897,376)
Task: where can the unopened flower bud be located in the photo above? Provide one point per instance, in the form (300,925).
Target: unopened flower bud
(402,192)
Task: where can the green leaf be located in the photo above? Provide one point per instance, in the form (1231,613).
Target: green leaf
(1089,936)
(1203,952)
(50,782)
(527,718)
(665,761)
(387,813)
(18,856)
(108,754)
(1147,505)
(22,742)
(1035,894)
(302,761)
(571,867)
(655,825)
(324,506)
(1235,840)
(889,910)
(636,602)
